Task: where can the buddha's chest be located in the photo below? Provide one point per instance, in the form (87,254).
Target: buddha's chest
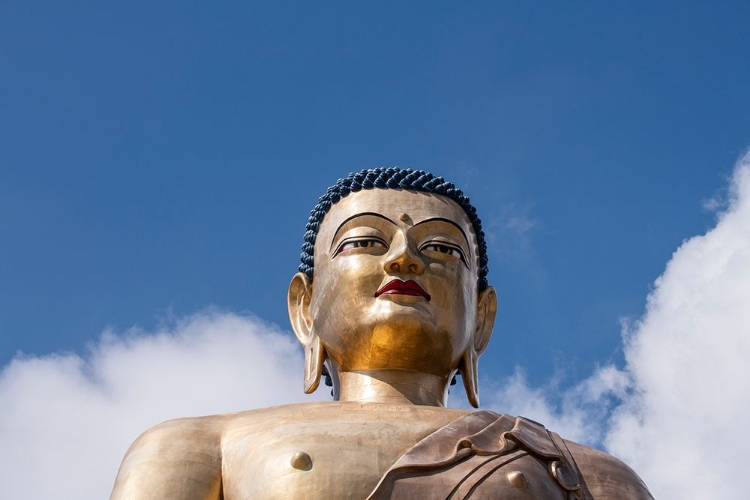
(346,460)
(320,460)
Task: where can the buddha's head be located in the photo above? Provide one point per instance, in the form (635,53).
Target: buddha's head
(393,277)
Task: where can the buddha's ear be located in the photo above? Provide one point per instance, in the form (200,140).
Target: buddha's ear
(486,311)
(298,303)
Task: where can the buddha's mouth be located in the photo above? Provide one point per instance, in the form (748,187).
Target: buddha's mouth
(398,287)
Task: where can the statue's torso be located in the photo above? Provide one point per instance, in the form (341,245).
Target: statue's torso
(350,447)
(341,451)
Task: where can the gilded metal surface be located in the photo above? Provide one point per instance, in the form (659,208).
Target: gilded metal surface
(393,313)
(301,461)
(516,479)
(368,240)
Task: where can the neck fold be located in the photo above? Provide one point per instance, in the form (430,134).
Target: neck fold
(393,386)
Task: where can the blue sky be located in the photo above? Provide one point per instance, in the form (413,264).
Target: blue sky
(159,159)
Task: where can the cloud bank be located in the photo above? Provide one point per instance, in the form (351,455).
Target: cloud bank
(66,420)
(688,358)
(676,411)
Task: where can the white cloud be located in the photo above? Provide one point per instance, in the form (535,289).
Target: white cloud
(66,420)
(513,221)
(682,427)
(676,412)
(516,397)
(579,413)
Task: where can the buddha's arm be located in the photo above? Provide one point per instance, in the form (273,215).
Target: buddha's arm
(179,459)
(608,478)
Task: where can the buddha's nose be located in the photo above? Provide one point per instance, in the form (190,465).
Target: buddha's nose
(402,258)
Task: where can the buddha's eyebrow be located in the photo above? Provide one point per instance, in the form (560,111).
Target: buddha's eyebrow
(441,219)
(374,214)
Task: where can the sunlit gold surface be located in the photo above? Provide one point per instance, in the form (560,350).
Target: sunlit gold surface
(364,333)
(391,358)
(394,331)
(249,455)
(350,445)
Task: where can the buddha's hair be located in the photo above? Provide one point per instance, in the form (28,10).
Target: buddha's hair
(390,178)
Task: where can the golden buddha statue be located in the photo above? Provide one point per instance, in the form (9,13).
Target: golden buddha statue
(390,303)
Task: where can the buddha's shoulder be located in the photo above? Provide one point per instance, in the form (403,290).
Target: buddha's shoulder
(607,476)
(210,431)
(172,436)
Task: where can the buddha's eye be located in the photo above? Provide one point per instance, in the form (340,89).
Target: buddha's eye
(360,243)
(437,247)
(444,248)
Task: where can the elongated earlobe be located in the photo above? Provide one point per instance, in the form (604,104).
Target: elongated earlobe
(468,369)
(314,358)
(298,302)
(485,321)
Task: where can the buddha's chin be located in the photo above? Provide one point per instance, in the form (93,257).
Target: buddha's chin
(402,343)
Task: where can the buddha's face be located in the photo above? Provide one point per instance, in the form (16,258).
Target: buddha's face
(395,283)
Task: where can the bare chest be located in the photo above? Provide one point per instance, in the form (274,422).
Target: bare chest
(316,460)
(344,457)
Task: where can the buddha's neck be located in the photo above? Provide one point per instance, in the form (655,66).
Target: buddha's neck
(393,386)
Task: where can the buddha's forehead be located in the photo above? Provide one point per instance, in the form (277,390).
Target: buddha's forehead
(393,204)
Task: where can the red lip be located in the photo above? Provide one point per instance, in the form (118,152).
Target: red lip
(402,288)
